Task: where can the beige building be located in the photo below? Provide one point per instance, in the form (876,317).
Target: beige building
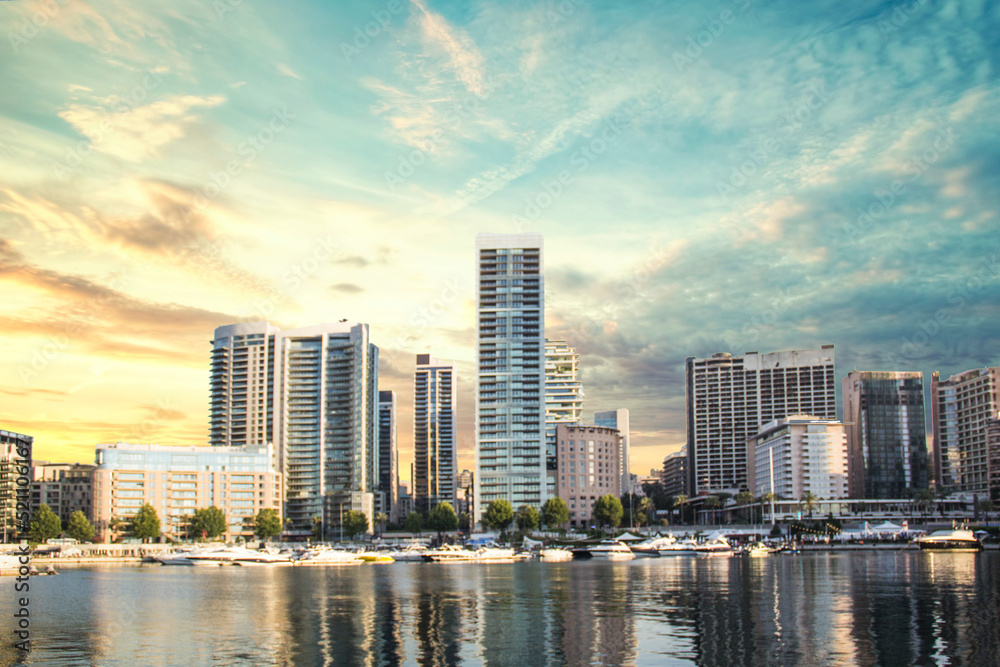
(176,481)
(587,468)
(961,407)
(801,454)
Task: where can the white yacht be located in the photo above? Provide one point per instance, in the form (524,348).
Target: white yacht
(611,550)
(263,557)
(216,556)
(324,556)
(652,546)
(716,545)
(950,540)
(410,553)
(452,554)
(555,554)
(685,547)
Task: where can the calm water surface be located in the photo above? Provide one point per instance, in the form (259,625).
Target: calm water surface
(903,608)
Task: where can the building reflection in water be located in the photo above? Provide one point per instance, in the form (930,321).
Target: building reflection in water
(902,607)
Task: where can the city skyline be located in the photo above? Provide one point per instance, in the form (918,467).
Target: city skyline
(727,177)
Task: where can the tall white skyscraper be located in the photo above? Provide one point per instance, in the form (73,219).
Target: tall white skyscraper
(434,451)
(312,392)
(619,419)
(510,373)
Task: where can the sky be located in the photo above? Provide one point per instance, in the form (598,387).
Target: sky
(721,176)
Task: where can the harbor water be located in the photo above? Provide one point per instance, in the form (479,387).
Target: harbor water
(888,608)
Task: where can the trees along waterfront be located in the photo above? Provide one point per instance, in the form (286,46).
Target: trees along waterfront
(355,523)
(45,525)
(608,511)
(498,516)
(442,519)
(527,518)
(208,522)
(414,523)
(267,524)
(79,527)
(809,501)
(145,525)
(555,513)
(381,519)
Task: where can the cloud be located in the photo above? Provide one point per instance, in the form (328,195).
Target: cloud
(287,71)
(464,58)
(136,133)
(347,288)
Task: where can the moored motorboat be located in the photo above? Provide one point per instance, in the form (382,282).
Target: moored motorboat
(324,556)
(685,547)
(555,554)
(611,550)
(652,546)
(376,557)
(717,545)
(410,553)
(950,540)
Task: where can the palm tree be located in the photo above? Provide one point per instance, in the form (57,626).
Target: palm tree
(679,501)
(986,506)
(381,519)
(809,502)
(712,503)
(924,500)
(645,507)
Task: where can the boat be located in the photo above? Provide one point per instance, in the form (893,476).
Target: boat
(757,550)
(264,557)
(950,540)
(555,554)
(453,554)
(324,556)
(410,553)
(376,557)
(652,546)
(214,557)
(685,547)
(717,545)
(611,550)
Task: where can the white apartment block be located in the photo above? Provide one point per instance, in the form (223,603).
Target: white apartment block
(176,481)
(729,398)
(801,454)
(510,373)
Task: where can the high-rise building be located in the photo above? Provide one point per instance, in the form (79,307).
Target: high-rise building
(176,481)
(886,434)
(618,420)
(993,456)
(388,455)
(799,455)
(312,392)
(242,385)
(510,372)
(674,476)
(15,467)
(434,453)
(587,468)
(961,406)
(729,398)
